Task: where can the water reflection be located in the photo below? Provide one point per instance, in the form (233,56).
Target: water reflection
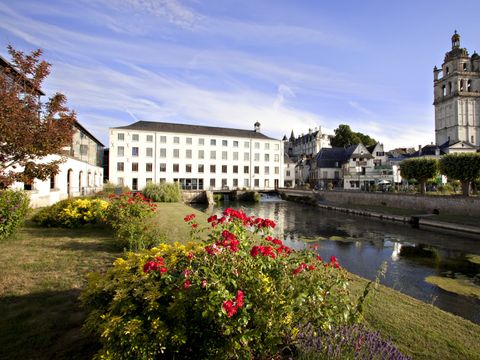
(362,245)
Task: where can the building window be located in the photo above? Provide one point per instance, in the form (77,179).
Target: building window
(163,139)
(201,141)
(134,151)
(246,145)
(213,154)
(267,170)
(257,183)
(472,140)
(120,181)
(149,138)
(212,169)
(246,183)
(267,157)
(163,153)
(148,180)
(235,155)
(200,168)
(135,137)
(267,146)
(246,156)
(176,140)
(176,153)
(148,167)
(277,147)
(52,182)
(235,183)
(83,149)
(212,183)
(224,142)
(176,168)
(120,166)
(224,169)
(256,157)
(135,166)
(469,85)
(276,158)
(188,154)
(134,184)
(224,184)
(277,170)
(200,154)
(188,168)
(246,169)
(149,152)
(235,143)
(235,169)
(213,142)
(257,145)
(256,170)
(464,66)
(163,167)
(120,151)
(288,173)
(121,136)
(189,141)
(224,155)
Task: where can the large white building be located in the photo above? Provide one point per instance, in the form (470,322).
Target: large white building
(457,97)
(197,157)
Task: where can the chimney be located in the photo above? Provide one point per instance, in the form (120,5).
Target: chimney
(257,127)
(419,149)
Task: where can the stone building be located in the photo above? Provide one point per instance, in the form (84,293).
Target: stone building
(457,97)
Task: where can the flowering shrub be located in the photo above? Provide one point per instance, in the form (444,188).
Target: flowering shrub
(13,210)
(243,294)
(129,215)
(345,342)
(72,213)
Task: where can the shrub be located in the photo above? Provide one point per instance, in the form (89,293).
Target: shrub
(13,210)
(129,215)
(164,192)
(242,295)
(72,213)
(345,342)
(112,189)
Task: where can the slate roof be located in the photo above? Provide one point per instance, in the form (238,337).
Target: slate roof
(193,129)
(328,157)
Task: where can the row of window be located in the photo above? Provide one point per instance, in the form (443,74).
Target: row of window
(462,86)
(200,154)
(201,141)
(200,168)
(197,184)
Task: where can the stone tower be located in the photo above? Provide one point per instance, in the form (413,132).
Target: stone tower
(457,96)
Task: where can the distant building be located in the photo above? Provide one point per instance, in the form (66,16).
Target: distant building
(457,97)
(197,157)
(306,144)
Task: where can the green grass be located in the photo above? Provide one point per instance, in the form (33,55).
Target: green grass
(43,272)
(460,285)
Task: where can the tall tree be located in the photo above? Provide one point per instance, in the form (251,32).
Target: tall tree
(29,129)
(463,167)
(344,137)
(421,169)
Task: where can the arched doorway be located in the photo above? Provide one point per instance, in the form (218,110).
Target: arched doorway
(80,183)
(69,182)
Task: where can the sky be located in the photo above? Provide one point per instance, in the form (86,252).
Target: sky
(290,65)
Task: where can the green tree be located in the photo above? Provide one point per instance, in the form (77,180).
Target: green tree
(29,129)
(463,167)
(421,169)
(344,136)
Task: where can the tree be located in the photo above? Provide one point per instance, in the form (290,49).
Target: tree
(463,167)
(344,137)
(29,129)
(420,169)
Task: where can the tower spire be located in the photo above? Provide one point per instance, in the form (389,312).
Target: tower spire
(455,40)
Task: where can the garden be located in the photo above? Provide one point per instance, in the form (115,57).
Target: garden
(126,277)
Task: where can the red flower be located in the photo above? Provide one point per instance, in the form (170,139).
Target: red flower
(163,270)
(229,307)
(212,218)
(187,284)
(194,225)
(190,256)
(189,217)
(239,298)
(319,258)
(257,249)
(204,284)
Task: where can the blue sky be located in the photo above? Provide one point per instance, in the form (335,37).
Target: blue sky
(287,64)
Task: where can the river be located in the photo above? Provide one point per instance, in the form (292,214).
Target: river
(363,244)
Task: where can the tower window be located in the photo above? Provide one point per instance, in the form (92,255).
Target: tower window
(444,90)
(461,85)
(469,85)
(447,70)
(449,88)
(464,66)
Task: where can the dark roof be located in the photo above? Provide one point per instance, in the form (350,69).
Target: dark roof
(193,129)
(331,157)
(82,129)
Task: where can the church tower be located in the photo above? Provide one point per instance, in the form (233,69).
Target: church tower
(457,96)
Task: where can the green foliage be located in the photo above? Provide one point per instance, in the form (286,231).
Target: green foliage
(13,210)
(462,167)
(129,215)
(72,213)
(244,295)
(344,137)
(112,189)
(420,169)
(249,196)
(164,192)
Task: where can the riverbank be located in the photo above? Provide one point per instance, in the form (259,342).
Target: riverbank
(44,270)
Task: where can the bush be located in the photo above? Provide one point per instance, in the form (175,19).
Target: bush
(345,342)
(112,189)
(129,215)
(13,210)
(164,192)
(243,295)
(72,213)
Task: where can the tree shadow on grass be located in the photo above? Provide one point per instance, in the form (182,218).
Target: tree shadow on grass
(103,245)
(46,325)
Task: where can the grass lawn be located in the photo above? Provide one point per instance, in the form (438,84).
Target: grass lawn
(43,272)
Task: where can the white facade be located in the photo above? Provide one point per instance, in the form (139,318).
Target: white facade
(197,157)
(457,97)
